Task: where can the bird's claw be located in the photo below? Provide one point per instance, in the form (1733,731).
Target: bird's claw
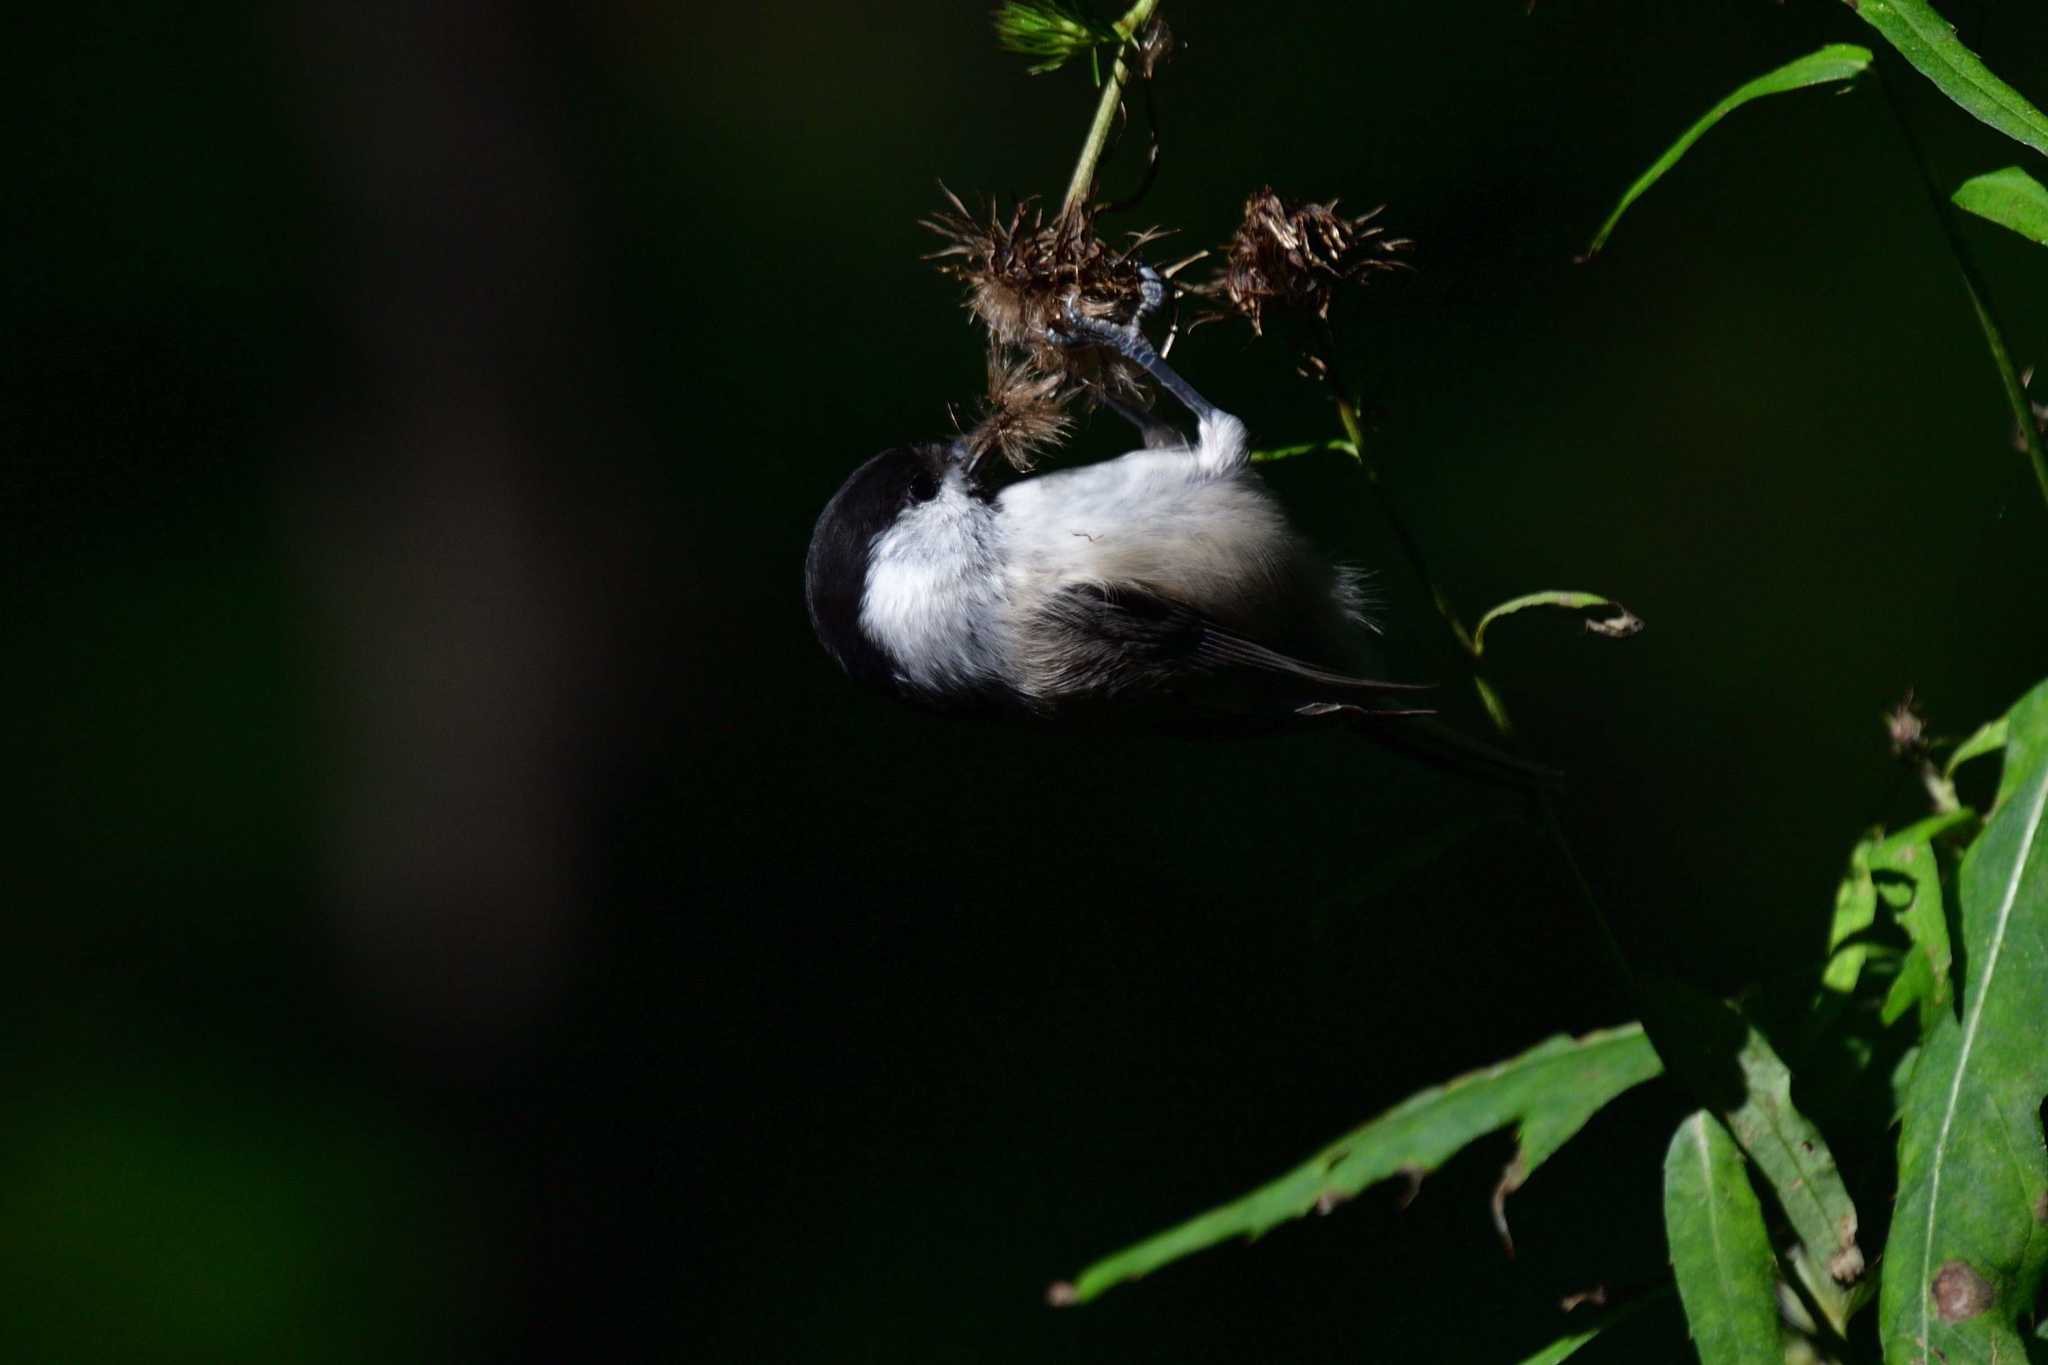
(1076,329)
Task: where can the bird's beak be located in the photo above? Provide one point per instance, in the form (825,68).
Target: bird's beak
(969,461)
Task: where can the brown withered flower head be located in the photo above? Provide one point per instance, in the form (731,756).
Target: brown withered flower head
(1022,271)
(1294,258)
(1022,414)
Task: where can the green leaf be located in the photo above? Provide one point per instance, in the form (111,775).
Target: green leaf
(1051,30)
(1305,448)
(2010,198)
(1715,1052)
(1562,1349)
(1969,1239)
(1550,1091)
(1905,867)
(1929,42)
(1836,62)
(1727,1277)
(1855,912)
(1616,622)
(1989,739)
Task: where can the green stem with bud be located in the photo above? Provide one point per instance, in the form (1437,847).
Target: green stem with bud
(1083,181)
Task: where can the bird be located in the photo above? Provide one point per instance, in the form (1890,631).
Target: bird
(1164,589)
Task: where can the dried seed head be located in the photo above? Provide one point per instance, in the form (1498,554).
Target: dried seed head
(1023,413)
(1293,258)
(1022,272)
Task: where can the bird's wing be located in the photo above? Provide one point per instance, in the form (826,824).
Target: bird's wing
(1200,676)
(1132,640)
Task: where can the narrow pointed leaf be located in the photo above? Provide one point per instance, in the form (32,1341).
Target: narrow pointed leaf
(2010,198)
(1550,1091)
(1969,1239)
(1836,62)
(1277,453)
(1929,42)
(1612,619)
(1568,1346)
(1727,1277)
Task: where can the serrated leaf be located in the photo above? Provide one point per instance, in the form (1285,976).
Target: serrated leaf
(1969,1239)
(1929,42)
(1550,1091)
(1715,1052)
(2010,198)
(1614,620)
(1727,1277)
(1836,62)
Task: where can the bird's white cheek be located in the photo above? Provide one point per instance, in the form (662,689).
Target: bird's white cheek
(936,618)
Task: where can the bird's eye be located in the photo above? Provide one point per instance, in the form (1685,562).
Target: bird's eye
(924,487)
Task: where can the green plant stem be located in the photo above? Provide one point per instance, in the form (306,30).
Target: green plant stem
(1496,708)
(1347,413)
(1083,181)
(1973,284)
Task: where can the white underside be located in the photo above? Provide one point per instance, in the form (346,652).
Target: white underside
(957,589)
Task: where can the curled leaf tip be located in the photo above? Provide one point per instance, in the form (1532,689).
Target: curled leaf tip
(1597,1296)
(1613,620)
(1061,1294)
(1511,1177)
(1619,626)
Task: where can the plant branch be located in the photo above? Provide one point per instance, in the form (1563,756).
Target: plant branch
(1083,181)
(1496,709)
(1973,283)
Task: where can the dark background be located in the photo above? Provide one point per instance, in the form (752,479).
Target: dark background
(458,914)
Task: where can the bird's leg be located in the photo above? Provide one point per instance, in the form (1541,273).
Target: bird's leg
(1151,294)
(1155,434)
(1130,343)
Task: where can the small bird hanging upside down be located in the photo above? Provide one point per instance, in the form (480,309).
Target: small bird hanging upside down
(1162,589)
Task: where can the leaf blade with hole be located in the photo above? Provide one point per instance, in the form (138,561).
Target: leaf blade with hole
(1836,62)
(1550,1091)
(1969,1241)
(1719,1250)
